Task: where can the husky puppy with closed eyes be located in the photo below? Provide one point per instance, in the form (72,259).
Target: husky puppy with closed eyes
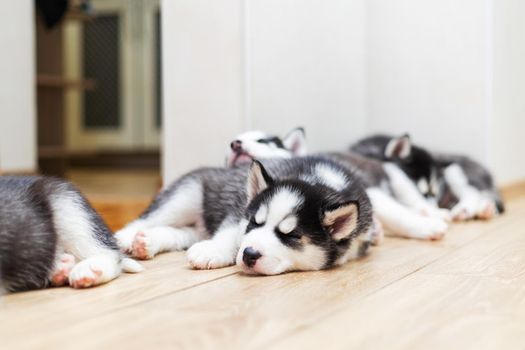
(50,235)
(457,183)
(269,217)
(397,203)
(415,162)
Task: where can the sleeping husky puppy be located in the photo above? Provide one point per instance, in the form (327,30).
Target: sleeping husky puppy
(397,203)
(50,235)
(464,186)
(286,215)
(468,188)
(415,162)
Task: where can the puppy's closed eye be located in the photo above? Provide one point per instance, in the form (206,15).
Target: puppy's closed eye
(293,235)
(252,224)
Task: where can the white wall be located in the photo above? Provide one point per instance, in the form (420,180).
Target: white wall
(267,64)
(427,71)
(17,88)
(449,72)
(508,122)
(307,68)
(202,82)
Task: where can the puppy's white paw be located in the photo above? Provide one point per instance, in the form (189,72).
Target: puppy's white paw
(63,267)
(467,208)
(125,239)
(486,209)
(144,246)
(434,212)
(93,271)
(209,255)
(462,212)
(430,229)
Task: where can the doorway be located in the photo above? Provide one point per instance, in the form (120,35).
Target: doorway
(99,95)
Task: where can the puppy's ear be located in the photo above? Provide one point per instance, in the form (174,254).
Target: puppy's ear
(295,142)
(399,147)
(340,221)
(258,180)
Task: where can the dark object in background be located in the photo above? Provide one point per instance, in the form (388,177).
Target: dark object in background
(84,6)
(52,11)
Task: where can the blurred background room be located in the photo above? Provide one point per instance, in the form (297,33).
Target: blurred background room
(117,94)
(121,97)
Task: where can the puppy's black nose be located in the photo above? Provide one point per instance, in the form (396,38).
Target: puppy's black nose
(236,145)
(250,256)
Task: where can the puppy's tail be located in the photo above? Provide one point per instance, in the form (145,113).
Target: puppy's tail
(131,266)
(500,205)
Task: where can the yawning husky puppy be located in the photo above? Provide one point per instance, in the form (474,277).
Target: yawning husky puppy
(248,144)
(457,182)
(49,235)
(299,214)
(397,202)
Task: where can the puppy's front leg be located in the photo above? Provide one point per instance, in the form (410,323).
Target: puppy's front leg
(406,192)
(219,251)
(155,240)
(403,222)
(472,203)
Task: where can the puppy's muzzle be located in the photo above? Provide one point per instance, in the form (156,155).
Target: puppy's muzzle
(236,146)
(250,256)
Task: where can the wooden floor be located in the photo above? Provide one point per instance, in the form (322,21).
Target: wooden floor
(465,292)
(120,195)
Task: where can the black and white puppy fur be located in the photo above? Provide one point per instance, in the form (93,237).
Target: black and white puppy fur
(50,235)
(457,183)
(286,215)
(245,146)
(397,203)
(415,162)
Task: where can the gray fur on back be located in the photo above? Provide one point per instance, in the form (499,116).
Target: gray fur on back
(370,170)
(224,189)
(27,237)
(476,174)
